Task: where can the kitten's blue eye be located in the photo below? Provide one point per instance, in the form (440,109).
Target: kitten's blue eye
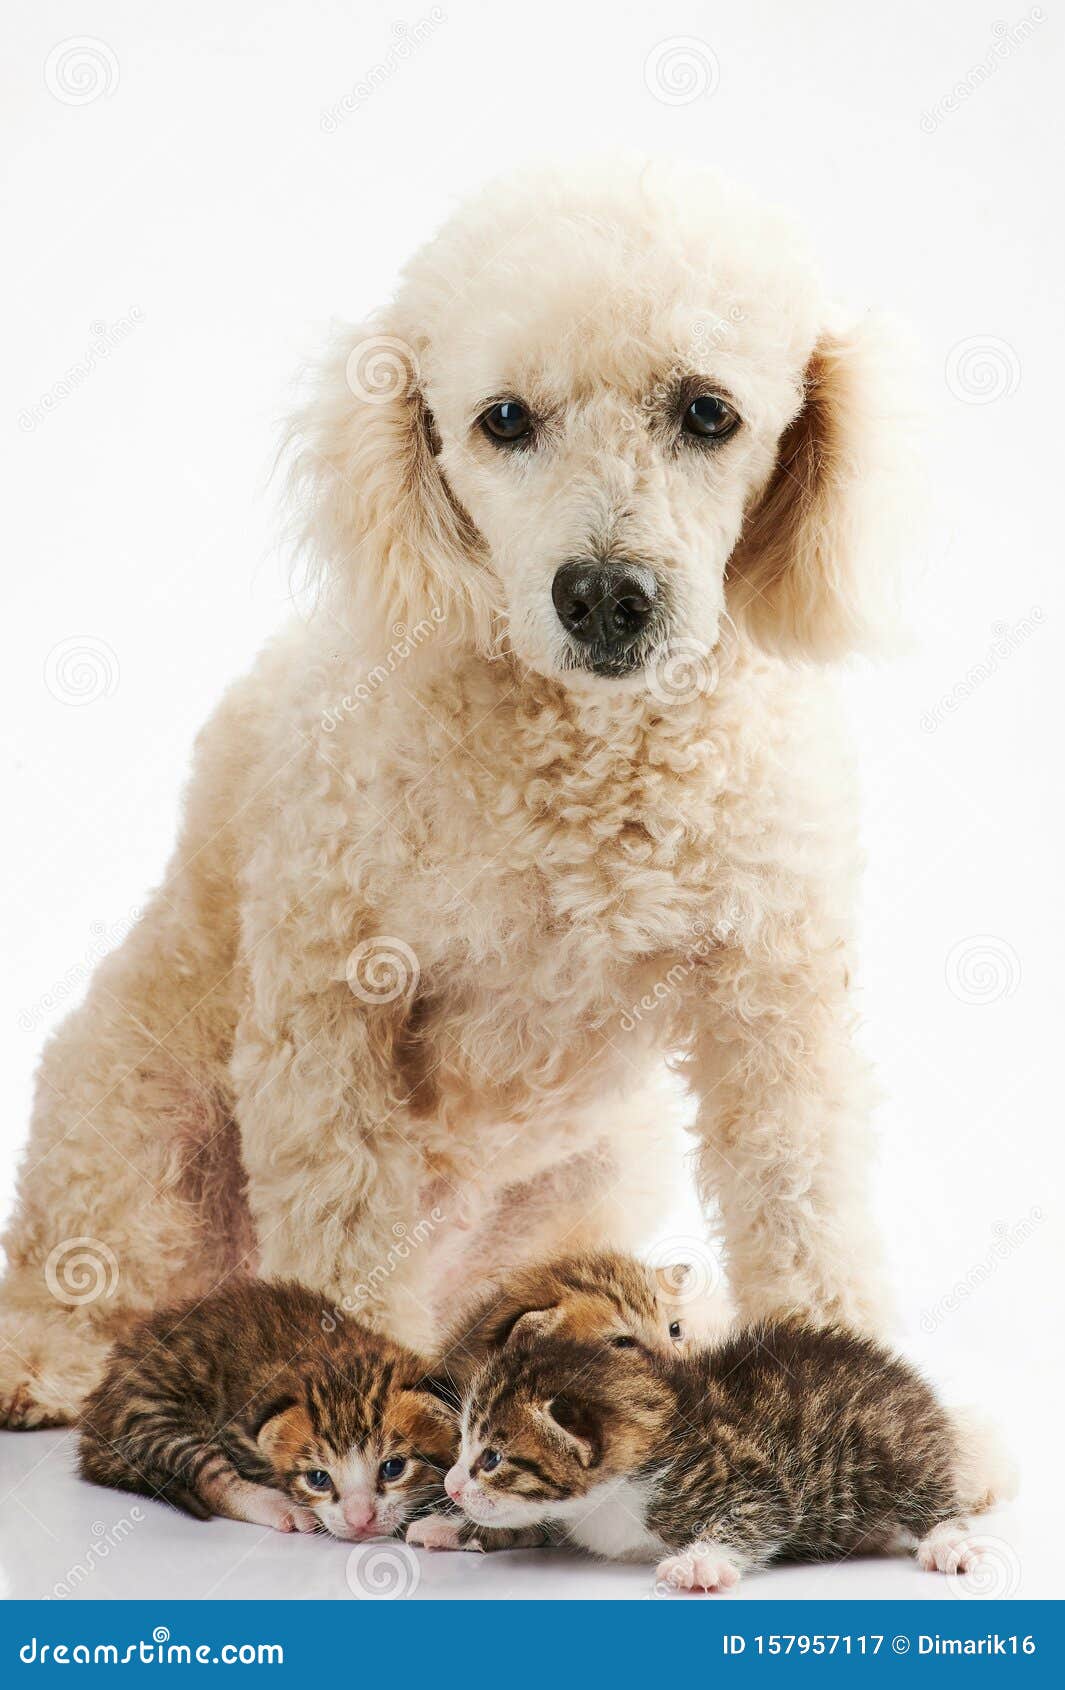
(393,1467)
(506,422)
(710,418)
(490,1460)
(318,1479)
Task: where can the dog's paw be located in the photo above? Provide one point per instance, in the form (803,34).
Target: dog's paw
(49,1362)
(20,1410)
(437,1531)
(702,1567)
(948,1548)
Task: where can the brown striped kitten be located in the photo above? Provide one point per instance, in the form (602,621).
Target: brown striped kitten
(595,1296)
(261,1403)
(781,1443)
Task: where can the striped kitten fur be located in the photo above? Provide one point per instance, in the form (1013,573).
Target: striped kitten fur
(781,1443)
(597,1295)
(262,1404)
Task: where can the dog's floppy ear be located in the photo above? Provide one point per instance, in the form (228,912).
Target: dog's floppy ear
(812,574)
(376,519)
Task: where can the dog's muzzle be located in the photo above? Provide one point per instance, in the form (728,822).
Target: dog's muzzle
(608,610)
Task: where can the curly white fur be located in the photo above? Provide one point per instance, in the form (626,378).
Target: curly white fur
(441,903)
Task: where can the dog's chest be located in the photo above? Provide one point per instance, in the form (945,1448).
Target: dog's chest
(548,876)
(621,857)
(634,897)
(538,931)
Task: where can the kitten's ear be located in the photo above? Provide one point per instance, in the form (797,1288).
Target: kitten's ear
(534,1323)
(284,1429)
(577,1423)
(427,1423)
(444,1389)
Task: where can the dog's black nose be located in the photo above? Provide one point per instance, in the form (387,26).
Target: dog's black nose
(604,604)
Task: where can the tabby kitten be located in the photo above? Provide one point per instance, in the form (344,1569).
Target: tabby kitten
(599,1295)
(781,1443)
(261,1404)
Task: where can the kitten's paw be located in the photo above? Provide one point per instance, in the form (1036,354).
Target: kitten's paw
(273,1508)
(948,1548)
(703,1567)
(437,1531)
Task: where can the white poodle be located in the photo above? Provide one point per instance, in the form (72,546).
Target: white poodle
(547,788)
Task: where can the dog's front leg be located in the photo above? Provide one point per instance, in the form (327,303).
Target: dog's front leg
(332,1179)
(783,1106)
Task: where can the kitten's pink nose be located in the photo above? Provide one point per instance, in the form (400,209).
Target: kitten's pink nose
(455,1483)
(360,1515)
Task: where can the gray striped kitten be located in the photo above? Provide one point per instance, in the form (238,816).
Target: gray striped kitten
(782,1443)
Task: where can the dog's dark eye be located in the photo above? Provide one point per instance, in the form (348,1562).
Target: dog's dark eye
(624,1343)
(508,421)
(710,418)
(675,1329)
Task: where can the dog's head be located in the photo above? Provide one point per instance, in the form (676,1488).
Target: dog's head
(604,411)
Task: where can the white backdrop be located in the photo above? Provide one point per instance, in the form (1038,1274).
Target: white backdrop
(195,191)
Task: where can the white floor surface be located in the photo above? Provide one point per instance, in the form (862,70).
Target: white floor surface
(61,1538)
